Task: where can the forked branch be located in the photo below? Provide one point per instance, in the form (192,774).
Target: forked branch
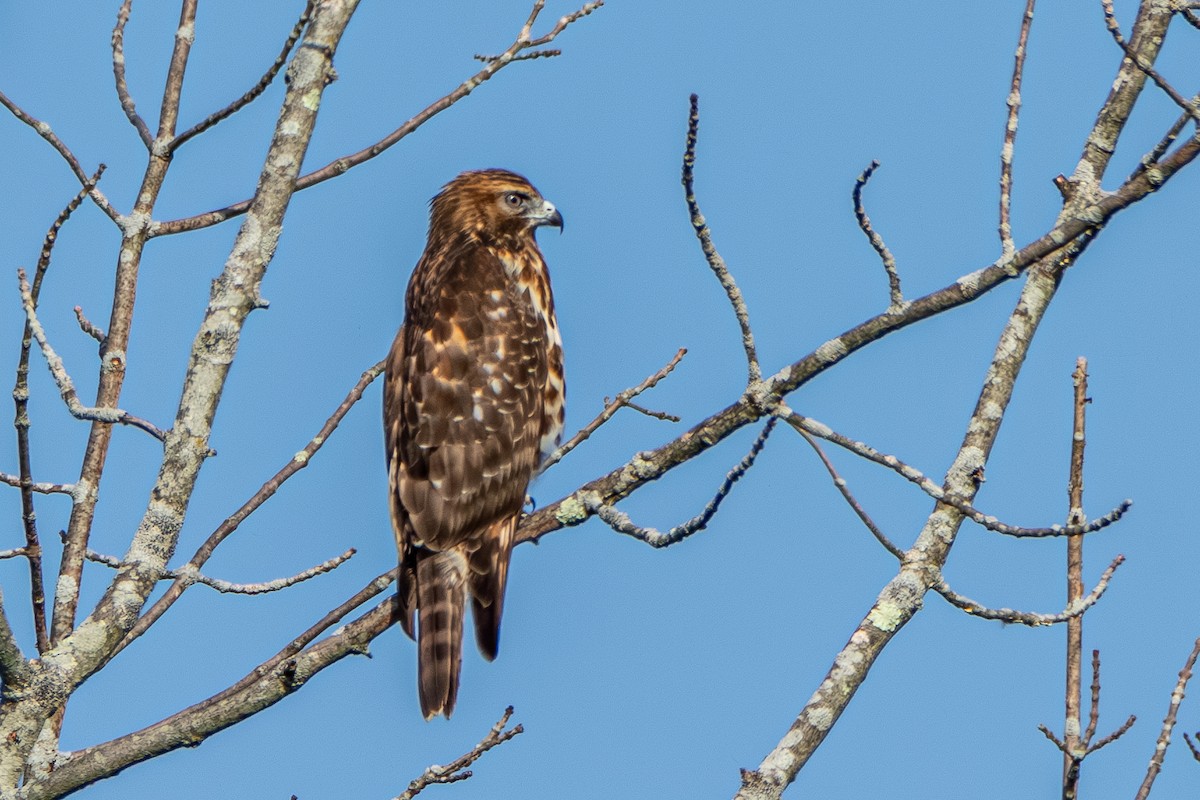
(622,400)
(66,387)
(457,770)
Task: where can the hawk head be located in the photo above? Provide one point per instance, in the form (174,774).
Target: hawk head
(492,206)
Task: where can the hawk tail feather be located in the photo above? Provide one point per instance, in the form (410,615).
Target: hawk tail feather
(441,579)
(488,578)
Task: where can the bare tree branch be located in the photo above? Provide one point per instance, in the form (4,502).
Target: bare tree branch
(1076,227)
(45,131)
(1010,132)
(66,387)
(621,523)
(840,483)
(715,262)
(21,421)
(622,400)
(881,248)
(1168,725)
(37,487)
(298,462)
(118,62)
(192,576)
(810,427)
(1094,710)
(345,163)
(457,770)
(1110,20)
(268,683)
(116,343)
(253,94)
(1076,745)
(77,652)
(89,327)
(1074,609)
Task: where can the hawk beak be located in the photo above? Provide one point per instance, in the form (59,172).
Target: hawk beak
(548,215)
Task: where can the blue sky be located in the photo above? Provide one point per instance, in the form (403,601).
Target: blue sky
(638,673)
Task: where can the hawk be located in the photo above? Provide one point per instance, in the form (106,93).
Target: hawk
(473,402)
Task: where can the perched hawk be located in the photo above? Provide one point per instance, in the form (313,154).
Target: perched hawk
(472,403)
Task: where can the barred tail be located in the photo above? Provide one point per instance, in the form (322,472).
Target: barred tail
(441,579)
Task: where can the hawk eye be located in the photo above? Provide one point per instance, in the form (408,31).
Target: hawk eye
(514,199)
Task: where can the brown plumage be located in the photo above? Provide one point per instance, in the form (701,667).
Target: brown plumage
(473,401)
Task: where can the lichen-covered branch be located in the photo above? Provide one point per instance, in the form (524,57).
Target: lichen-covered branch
(268,683)
(1074,610)
(77,652)
(1188,106)
(116,344)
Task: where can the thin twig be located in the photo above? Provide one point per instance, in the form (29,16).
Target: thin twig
(885,255)
(457,770)
(1110,20)
(715,262)
(807,425)
(1188,740)
(90,328)
(260,87)
(1164,736)
(1164,144)
(44,130)
(663,415)
(66,386)
(1075,750)
(345,163)
(622,400)
(36,486)
(1094,712)
(33,548)
(264,493)
(118,62)
(1117,734)
(1010,134)
(1072,611)
(523,57)
(621,523)
(843,487)
(191,576)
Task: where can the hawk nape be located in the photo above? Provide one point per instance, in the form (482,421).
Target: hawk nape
(472,403)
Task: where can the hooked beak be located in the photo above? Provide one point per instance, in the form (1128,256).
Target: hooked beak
(547,215)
